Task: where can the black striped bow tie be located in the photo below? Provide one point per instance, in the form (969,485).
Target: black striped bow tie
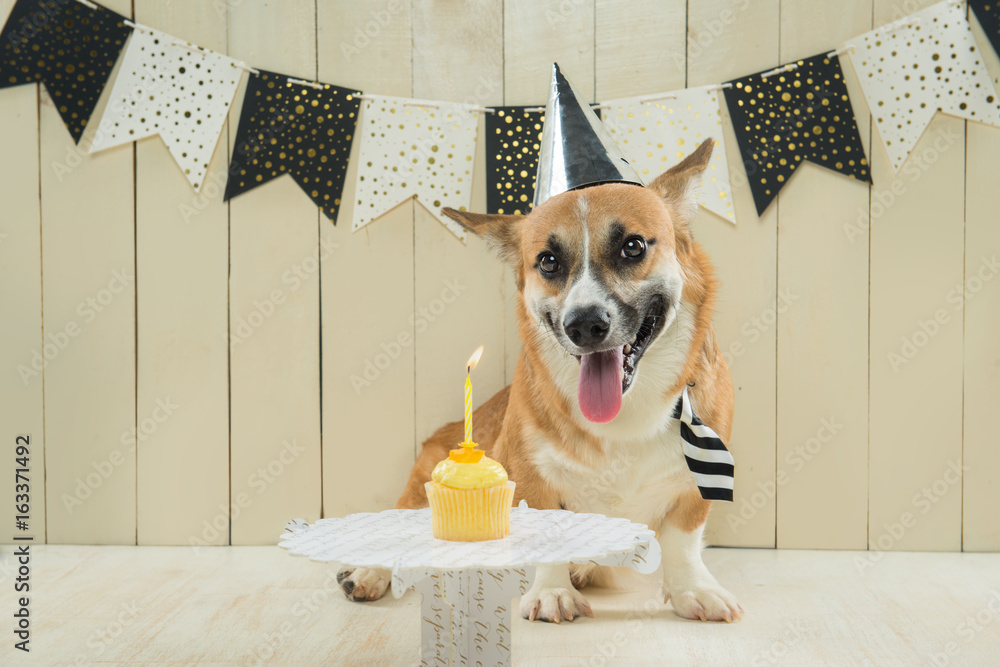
(707,457)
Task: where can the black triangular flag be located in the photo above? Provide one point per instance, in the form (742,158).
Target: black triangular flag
(513,138)
(795,115)
(290,128)
(512,141)
(988,13)
(66,45)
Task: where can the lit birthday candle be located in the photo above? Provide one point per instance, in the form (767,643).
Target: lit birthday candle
(469,494)
(473,360)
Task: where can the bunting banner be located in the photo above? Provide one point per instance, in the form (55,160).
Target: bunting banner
(415,148)
(921,64)
(69,47)
(657,132)
(797,112)
(908,70)
(988,14)
(512,142)
(175,90)
(289,126)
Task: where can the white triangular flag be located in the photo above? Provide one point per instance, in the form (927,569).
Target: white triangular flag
(181,93)
(657,131)
(415,148)
(923,63)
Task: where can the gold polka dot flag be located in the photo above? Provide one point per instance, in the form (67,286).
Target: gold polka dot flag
(415,148)
(290,126)
(655,132)
(167,87)
(988,14)
(921,64)
(66,45)
(797,112)
(513,136)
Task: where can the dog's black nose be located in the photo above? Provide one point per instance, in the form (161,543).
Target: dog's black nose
(587,326)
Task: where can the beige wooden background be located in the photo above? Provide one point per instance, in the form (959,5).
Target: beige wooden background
(835,447)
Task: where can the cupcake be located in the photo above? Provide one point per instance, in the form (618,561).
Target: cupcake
(470,497)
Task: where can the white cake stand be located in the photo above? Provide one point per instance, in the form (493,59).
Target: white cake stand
(467,587)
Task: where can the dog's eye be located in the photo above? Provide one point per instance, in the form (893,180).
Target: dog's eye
(634,248)
(548,263)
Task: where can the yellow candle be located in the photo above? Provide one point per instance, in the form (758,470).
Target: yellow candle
(468,407)
(473,360)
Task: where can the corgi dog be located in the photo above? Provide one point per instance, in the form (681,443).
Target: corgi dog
(615,317)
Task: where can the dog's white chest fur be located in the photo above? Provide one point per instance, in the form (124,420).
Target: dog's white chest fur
(638,480)
(641,469)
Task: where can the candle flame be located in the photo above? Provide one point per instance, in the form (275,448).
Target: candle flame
(474,359)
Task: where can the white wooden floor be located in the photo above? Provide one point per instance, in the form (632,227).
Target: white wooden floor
(247,605)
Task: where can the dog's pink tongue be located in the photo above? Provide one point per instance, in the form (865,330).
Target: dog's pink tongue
(600,390)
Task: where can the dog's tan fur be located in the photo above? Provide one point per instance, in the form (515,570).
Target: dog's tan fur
(532,396)
(509,424)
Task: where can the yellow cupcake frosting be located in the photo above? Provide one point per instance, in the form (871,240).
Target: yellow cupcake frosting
(468,468)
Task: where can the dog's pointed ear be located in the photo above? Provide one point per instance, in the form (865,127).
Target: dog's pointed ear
(501,232)
(679,185)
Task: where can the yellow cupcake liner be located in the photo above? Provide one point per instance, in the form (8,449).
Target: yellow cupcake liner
(470,515)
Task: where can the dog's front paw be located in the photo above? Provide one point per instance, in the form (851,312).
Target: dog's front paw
(364,583)
(706,603)
(554,605)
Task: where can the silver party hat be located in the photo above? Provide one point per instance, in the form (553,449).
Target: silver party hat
(577,150)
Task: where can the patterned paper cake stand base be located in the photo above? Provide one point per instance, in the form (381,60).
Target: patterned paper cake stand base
(467,587)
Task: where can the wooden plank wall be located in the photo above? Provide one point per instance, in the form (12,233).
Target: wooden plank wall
(917,250)
(21,296)
(355,357)
(88,283)
(368,400)
(467,67)
(182,320)
(981,487)
(822,446)
(274,250)
(726,40)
